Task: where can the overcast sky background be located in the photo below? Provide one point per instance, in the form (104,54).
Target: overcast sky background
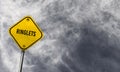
(80,36)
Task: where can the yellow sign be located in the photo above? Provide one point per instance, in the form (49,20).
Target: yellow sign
(26,33)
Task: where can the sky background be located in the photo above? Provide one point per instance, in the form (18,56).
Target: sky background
(80,36)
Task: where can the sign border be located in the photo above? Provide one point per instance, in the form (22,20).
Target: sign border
(42,35)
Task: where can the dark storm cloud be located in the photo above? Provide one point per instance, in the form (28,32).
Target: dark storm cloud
(94,52)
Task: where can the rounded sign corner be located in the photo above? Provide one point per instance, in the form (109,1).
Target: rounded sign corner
(28,17)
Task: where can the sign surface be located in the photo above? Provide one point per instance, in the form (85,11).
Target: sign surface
(26,33)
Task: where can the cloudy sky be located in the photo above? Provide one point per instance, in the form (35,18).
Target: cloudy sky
(79,36)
